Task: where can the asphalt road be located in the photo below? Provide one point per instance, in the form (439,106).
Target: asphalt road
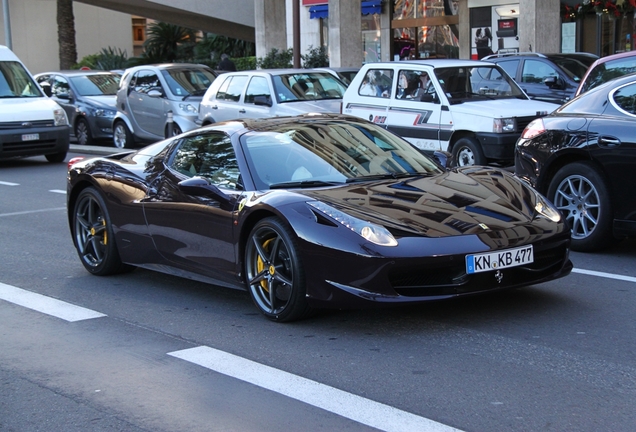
(553,357)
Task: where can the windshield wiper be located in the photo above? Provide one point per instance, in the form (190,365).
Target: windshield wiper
(393,176)
(303,184)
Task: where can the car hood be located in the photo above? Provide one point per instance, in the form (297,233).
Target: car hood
(322,106)
(27,109)
(104,101)
(504,108)
(459,202)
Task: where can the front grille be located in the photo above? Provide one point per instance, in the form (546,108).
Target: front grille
(522,122)
(453,279)
(25,125)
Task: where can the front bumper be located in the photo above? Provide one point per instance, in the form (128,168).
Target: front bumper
(18,141)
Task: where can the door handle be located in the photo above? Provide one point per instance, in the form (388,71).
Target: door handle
(608,141)
(242,111)
(215,107)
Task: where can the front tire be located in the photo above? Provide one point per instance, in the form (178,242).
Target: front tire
(467,151)
(274,274)
(122,137)
(56,157)
(579,191)
(93,235)
(83,132)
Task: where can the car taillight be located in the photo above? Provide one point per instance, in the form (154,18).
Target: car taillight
(536,127)
(73,161)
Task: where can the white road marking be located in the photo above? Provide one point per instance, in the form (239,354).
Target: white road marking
(60,191)
(32,211)
(357,408)
(9,183)
(46,305)
(605,275)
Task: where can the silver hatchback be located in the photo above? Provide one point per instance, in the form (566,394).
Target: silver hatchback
(270,93)
(150,96)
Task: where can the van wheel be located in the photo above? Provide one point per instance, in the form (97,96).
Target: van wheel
(56,157)
(467,151)
(122,137)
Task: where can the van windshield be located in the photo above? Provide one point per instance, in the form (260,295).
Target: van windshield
(15,81)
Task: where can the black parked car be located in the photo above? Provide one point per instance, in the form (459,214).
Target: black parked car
(313,211)
(583,156)
(547,77)
(88,97)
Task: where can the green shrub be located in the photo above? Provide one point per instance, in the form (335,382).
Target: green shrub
(315,57)
(245,63)
(276,59)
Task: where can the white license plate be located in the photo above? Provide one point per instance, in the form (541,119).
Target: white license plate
(30,137)
(478,263)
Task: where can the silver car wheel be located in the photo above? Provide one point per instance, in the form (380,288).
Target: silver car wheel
(577,198)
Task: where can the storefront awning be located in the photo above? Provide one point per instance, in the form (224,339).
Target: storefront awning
(369,7)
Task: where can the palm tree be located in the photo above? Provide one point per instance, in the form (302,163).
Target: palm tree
(168,42)
(66,34)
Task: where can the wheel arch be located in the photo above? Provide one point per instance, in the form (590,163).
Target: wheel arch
(246,228)
(550,169)
(72,198)
(459,134)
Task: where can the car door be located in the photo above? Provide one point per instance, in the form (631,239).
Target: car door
(62,94)
(193,228)
(258,89)
(228,102)
(371,98)
(613,144)
(415,110)
(145,99)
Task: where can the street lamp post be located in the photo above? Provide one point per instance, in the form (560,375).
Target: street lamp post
(7,24)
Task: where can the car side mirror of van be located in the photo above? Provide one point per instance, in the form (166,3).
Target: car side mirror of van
(263,100)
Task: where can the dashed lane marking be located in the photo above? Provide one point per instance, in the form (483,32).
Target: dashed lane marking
(32,211)
(604,275)
(357,408)
(46,305)
(60,191)
(9,183)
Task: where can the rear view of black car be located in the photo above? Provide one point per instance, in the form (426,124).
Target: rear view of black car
(582,157)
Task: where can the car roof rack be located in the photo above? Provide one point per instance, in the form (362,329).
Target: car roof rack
(512,54)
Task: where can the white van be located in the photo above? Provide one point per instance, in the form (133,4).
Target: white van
(31,124)
(470,108)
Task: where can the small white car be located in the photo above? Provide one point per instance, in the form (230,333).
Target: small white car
(270,93)
(470,108)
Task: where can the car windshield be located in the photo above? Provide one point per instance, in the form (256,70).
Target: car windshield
(188,81)
(96,84)
(310,153)
(575,68)
(477,83)
(609,70)
(15,81)
(296,87)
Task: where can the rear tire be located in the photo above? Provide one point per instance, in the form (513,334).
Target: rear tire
(83,132)
(467,151)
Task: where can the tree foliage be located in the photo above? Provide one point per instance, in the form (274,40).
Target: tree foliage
(276,59)
(315,57)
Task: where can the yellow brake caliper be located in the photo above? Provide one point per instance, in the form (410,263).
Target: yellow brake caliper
(260,265)
(105,236)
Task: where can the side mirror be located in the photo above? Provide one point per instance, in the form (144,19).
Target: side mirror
(199,186)
(154,93)
(444,158)
(64,96)
(553,82)
(263,101)
(46,88)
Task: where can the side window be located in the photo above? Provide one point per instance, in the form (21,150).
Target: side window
(257,87)
(235,88)
(414,85)
(625,99)
(535,71)
(377,83)
(510,66)
(146,81)
(220,94)
(209,155)
(60,87)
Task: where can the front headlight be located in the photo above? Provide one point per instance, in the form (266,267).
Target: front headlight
(98,112)
(543,207)
(59,117)
(188,108)
(369,231)
(503,125)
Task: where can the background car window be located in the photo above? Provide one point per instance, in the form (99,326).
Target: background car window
(625,98)
(258,86)
(535,71)
(188,81)
(377,82)
(96,85)
(60,86)
(208,155)
(510,66)
(234,88)
(307,86)
(146,81)
(608,71)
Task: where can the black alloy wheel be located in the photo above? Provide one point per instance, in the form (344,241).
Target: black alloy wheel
(579,191)
(274,274)
(93,235)
(83,132)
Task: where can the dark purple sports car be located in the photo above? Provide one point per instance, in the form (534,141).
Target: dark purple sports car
(310,212)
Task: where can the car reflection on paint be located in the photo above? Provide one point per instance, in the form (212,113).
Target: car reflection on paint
(309,212)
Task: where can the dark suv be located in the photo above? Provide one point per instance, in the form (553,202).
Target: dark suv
(547,77)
